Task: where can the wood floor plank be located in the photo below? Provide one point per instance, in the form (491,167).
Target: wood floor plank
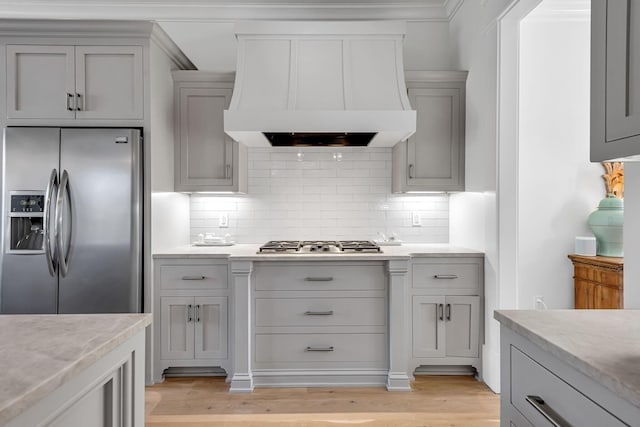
(435,401)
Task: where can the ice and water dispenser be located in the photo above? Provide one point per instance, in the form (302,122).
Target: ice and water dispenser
(26,222)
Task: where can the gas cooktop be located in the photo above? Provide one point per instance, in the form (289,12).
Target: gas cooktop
(319,246)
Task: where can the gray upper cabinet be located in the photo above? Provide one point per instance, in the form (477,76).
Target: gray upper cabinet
(615,79)
(206,159)
(433,158)
(58,82)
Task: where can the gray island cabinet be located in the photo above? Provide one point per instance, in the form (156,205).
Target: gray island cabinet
(72,370)
(303,320)
(569,368)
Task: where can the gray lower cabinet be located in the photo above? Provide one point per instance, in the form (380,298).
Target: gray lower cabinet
(538,389)
(206,159)
(191,319)
(432,159)
(319,323)
(445,326)
(446,313)
(615,79)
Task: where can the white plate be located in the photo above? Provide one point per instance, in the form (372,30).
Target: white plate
(214,244)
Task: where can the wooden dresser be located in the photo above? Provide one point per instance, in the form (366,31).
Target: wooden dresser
(598,281)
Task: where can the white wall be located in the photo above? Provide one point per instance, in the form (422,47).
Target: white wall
(474,216)
(631,233)
(318,197)
(558,186)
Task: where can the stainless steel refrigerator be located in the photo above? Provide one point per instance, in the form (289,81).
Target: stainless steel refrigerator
(71,223)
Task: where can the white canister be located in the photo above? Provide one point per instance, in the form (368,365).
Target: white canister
(585,245)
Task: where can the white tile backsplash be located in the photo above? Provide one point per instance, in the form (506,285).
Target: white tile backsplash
(307,194)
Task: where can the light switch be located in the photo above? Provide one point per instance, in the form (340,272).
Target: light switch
(416,221)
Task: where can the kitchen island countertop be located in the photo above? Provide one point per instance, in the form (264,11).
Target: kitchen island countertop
(39,353)
(602,344)
(248,252)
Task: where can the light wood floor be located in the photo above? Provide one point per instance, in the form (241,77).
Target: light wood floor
(435,401)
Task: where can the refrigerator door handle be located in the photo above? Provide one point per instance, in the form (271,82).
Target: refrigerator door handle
(63,256)
(53,184)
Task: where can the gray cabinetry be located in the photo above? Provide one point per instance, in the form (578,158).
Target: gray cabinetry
(191,310)
(535,382)
(61,82)
(446,312)
(615,79)
(206,158)
(320,323)
(432,159)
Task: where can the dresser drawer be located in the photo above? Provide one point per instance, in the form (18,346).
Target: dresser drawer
(445,275)
(320,312)
(193,276)
(529,378)
(320,350)
(319,276)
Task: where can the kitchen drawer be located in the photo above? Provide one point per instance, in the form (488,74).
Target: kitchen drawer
(459,275)
(320,312)
(319,276)
(310,350)
(193,276)
(529,378)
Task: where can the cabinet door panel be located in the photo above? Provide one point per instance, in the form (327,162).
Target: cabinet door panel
(623,70)
(38,81)
(434,151)
(109,82)
(462,315)
(177,328)
(428,328)
(211,328)
(205,151)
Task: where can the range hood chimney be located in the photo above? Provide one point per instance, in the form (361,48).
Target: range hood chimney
(320,83)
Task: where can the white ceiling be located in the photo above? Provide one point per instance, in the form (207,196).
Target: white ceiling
(203,29)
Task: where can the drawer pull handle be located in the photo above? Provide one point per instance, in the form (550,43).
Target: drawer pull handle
(549,414)
(189,313)
(318,279)
(445,276)
(318,313)
(440,312)
(193,277)
(448,312)
(319,348)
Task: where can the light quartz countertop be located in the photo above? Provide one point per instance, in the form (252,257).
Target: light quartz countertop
(249,252)
(39,353)
(602,344)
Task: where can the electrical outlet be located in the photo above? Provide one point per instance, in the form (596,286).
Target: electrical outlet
(416,221)
(223,221)
(538,303)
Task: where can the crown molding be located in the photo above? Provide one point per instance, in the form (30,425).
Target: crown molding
(227,10)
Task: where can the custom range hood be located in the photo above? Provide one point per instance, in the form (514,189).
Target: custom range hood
(320,83)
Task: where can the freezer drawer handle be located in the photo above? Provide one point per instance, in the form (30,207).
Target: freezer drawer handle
(549,414)
(319,313)
(318,279)
(445,276)
(193,277)
(53,184)
(319,348)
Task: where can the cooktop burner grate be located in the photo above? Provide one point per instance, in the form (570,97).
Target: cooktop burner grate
(320,246)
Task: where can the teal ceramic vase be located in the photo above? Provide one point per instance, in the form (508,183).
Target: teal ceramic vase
(606,223)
